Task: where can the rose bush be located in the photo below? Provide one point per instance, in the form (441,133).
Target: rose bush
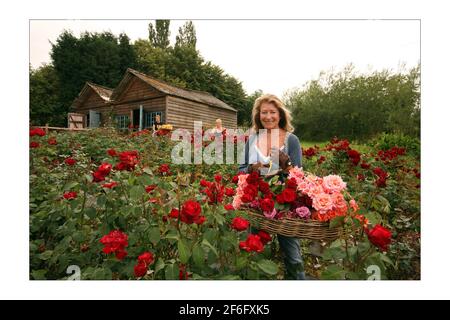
(116,206)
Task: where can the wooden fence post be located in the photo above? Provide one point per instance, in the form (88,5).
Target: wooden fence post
(46,128)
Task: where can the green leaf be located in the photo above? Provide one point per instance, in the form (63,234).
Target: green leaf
(229,277)
(136,192)
(91,213)
(335,253)
(363,247)
(159,265)
(333,272)
(219,219)
(241,262)
(74,203)
(386,259)
(154,235)
(46,255)
(198,255)
(336,222)
(268,267)
(101,200)
(184,252)
(373,217)
(70,186)
(148,171)
(210,246)
(39,274)
(145,180)
(172,272)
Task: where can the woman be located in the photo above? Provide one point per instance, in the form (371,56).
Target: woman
(274,151)
(218,129)
(157,124)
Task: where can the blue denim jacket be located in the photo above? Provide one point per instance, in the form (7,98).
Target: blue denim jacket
(293,149)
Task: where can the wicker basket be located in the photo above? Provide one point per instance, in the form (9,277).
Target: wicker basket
(313,230)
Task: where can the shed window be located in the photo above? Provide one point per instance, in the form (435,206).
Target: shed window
(122,121)
(150,117)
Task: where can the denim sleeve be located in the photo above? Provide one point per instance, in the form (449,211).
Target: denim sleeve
(244,166)
(295,150)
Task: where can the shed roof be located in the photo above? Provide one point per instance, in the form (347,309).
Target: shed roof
(103,92)
(194,95)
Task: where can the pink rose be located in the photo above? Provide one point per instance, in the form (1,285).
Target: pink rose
(303,212)
(334,183)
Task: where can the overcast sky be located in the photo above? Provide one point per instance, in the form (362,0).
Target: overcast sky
(271,55)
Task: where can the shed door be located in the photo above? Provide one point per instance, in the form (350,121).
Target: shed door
(94,119)
(75,120)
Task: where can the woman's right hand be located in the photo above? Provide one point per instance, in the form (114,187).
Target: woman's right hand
(254,167)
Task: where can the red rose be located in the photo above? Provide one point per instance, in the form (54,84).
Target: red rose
(251,190)
(280,198)
(182,275)
(104,169)
(289,195)
(229,192)
(150,188)
(52,141)
(240,224)
(70,161)
(365,165)
(253,178)
(200,220)
(140,270)
(110,185)
(70,195)
(229,207)
(34,144)
(321,160)
(267,204)
(112,152)
(190,211)
(380,237)
(146,257)
(115,242)
(253,243)
(204,183)
(164,169)
(174,213)
(37,131)
(246,198)
(264,187)
(291,183)
(121,254)
(120,166)
(264,236)
(98,176)
(218,178)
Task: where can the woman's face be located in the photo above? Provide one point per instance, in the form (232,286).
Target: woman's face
(158,118)
(269,116)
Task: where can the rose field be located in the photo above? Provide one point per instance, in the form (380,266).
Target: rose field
(115,206)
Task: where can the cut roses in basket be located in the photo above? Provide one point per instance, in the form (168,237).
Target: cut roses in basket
(302,195)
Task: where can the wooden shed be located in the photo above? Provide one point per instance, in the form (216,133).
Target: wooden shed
(138,98)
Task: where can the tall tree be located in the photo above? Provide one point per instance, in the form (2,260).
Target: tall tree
(97,57)
(127,54)
(354,106)
(186,36)
(44,97)
(159,35)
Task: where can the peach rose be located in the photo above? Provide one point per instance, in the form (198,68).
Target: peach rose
(323,202)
